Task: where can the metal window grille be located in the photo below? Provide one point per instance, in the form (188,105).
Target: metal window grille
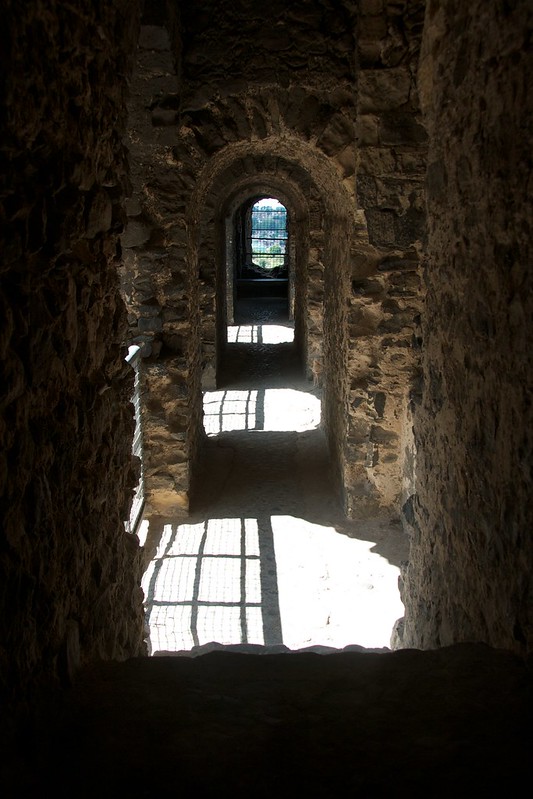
(269,235)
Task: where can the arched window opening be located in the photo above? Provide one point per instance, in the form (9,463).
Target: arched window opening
(262,267)
(268,237)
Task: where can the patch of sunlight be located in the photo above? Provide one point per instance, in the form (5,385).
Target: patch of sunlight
(142,532)
(274,409)
(272,580)
(333,590)
(229,410)
(204,585)
(260,334)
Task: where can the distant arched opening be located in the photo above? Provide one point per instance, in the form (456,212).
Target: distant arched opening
(262,251)
(319,225)
(261,255)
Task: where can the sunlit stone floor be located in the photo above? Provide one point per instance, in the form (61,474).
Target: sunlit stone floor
(266,558)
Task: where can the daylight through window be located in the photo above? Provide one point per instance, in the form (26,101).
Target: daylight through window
(269,233)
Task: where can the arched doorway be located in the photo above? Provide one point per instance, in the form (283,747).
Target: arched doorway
(262,259)
(319,223)
(263,251)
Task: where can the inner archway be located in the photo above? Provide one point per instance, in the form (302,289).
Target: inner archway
(266,541)
(263,257)
(260,377)
(319,224)
(260,279)
(262,254)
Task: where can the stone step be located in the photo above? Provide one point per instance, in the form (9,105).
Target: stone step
(441,723)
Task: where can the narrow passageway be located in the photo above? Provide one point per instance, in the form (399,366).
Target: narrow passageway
(267,558)
(266,565)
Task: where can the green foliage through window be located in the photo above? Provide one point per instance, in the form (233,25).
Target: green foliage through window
(269,233)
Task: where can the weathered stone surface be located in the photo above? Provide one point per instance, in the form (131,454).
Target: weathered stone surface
(390,191)
(69,572)
(426,386)
(469,575)
(383,89)
(227,101)
(318,722)
(244,127)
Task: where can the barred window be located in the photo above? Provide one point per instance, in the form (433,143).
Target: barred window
(268,233)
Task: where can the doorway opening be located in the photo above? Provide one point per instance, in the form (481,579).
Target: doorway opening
(256,321)
(260,272)
(262,252)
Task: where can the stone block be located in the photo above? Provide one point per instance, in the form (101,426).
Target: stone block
(383,89)
(162,117)
(132,206)
(401,128)
(367,130)
(381,227)
(397,261)
(154,37)
(150,324)
(338,133)
(136,234)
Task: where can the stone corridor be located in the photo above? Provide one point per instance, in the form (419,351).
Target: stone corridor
(266,557)
(136,138)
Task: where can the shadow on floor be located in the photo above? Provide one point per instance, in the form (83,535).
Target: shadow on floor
(453,722)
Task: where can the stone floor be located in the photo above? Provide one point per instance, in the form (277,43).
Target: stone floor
(453,722)
(363,722)
(266,556)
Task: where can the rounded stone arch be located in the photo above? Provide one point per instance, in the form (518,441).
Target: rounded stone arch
(293,199)
(295,171)
(278,165)
(299,160)
(212,233)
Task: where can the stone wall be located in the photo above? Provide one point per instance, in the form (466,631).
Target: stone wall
(386,253)
(69,573)
(223,104)
(155,281)
(338,129)
(190,151)
(469,576)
